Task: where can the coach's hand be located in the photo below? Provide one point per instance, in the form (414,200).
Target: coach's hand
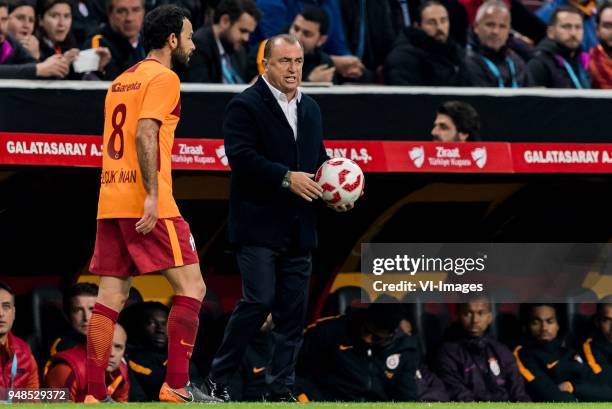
(149,218)
(303,185)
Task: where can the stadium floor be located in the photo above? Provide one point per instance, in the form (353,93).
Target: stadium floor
(333,405)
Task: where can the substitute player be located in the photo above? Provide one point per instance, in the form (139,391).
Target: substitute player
(140,229)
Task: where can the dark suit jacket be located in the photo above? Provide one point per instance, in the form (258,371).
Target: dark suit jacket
(260,146)
(205,63)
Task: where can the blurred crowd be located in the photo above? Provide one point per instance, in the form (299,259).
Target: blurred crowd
(493,43)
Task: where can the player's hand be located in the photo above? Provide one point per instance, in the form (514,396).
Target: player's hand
(55,66)
(322,73)
(71,55)
(303,185)
(149,218)
(348,66)
(565,387)
(342,208)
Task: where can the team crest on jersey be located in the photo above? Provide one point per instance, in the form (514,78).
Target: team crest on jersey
(494,366)
(393,361)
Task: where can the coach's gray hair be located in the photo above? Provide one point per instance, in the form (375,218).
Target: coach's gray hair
(490,5)
(287,38)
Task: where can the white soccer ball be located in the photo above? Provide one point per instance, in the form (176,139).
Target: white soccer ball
(342,181)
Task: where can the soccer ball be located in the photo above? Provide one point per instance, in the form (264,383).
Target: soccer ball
(342,181)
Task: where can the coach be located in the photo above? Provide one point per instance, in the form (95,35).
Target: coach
(274,143)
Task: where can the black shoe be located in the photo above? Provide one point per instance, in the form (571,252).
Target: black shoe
(217,390)
(281,397)
(187,394)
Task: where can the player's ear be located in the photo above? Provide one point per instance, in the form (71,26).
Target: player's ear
(173,40)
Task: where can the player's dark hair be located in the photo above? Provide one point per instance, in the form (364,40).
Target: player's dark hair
(42,6)
(384,316)
(80,289)
(4,286)
(464,117)
(160,22)
(316,15)
(425,5)
(4,4)
(234,9)
(15,4)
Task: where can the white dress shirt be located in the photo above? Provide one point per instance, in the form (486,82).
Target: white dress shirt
(289,108)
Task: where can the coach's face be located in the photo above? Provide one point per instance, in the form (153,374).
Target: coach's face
(284,67)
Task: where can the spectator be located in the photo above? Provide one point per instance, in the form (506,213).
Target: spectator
(22,20)
(220,55)
(360,356)
(68,370)
(558,62)
(597,350)
(456,121)
(587,9)
(404,14)
(18,368)
(87,16)
(278,15)
(369,35)
(122,36)
(148,347)
(476,367)
(553,372)
(78,305)
(310,28)
(600,59)
(424,54)
(489,61)
(55,37)
(16,61)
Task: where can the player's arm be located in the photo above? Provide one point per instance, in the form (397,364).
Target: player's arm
(147,151)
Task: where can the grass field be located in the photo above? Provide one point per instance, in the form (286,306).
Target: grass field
(332,405)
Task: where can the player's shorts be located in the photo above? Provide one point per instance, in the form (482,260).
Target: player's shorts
(121,251)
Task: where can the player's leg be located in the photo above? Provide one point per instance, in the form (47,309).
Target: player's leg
(112,295)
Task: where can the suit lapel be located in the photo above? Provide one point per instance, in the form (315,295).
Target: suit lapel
(273,103)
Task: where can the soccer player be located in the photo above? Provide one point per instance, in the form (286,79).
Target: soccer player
(140,229)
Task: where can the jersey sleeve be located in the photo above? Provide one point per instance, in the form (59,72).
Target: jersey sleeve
(162,97)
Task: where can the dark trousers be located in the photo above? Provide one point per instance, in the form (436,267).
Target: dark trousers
(272,282)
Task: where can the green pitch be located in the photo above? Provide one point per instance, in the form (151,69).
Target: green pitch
(330,405)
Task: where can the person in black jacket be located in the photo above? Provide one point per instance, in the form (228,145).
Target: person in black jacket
(369,34)
(220,55)
(274,143)
(489,60)
(424,55)
(360,356)
(597,350)
(122,36)
(475,367)
(553,371)
(558,60)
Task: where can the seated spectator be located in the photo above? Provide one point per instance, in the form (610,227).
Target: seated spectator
(558,62)
(22,20)
(17,63)
(587,9)
(18,368)
(404,12)
(552,371)
(489,61)
(600,58)
(369,35)
(476,367)
(78,305)
(55,37)
(597,350)
(148,348)
(424,54)
(68,369)
(220,55)
(360,356)
(310,28)
(122,36)
(456,121)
